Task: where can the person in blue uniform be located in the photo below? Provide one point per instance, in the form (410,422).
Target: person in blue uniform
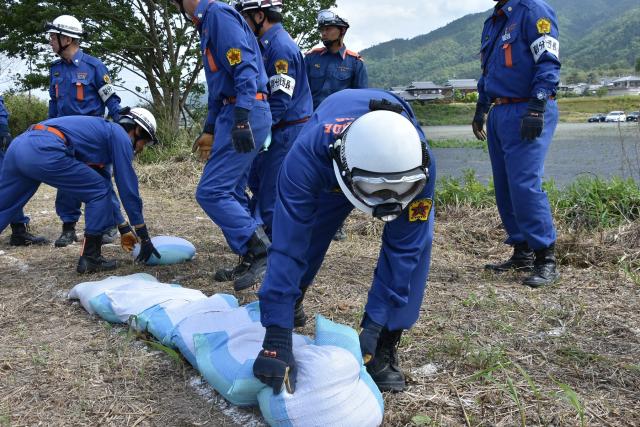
(79,85)
(333,67)
(364,149)
(520,76)
(239,120)
(61,152)
(20,233)
(289,100)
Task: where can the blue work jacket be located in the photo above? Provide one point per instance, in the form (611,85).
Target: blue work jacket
(289,93)
(232,62)
(81,87)
(520,52)
(331,72)
(98,142)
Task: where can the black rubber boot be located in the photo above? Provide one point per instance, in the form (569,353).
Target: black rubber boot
(68,235)
(544,268)
(521,260)
(340,235)
(255,260)
(384,368)
(91,260)
(299,316)
(20,236)
(109,236)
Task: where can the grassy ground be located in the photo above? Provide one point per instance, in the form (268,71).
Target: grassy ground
(572,110)
(486,351)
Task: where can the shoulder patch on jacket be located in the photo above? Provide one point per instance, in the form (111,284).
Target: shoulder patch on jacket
(419,210)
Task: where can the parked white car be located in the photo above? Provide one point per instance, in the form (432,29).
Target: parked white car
(616,116)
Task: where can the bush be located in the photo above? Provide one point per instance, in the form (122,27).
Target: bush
(596,204)
(465,191)
(174,146)
(24,110)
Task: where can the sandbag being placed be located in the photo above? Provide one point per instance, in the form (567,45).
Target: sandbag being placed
(333,386)
(225,359)
(85,291)
(119,304)
(173,250)
(161,319)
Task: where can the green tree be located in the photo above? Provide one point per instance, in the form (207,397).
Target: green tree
(638,65)
(149,38)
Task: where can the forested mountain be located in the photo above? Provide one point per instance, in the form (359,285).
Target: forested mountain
(594,35)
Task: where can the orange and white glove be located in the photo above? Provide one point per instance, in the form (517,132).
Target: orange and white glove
(128,238)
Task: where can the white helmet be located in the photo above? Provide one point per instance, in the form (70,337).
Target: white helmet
(247,5)
(380,163)
(143,118)
(66,25)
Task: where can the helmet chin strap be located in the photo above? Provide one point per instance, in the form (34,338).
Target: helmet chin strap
(257,25)
(60,47)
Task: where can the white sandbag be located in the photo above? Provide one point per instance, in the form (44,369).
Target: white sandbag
(172,249)
(182,335)
(333,387)
(119,304)
(86,290)
(225,359)
(161,319)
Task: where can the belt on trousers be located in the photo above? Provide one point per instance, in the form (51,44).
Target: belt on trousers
(282,124)
(53,130)
(502,101)
(232,99)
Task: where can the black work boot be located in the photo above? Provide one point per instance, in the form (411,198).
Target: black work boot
(109,236)
(91,259)
(227,274)
(544,268)
(255,260)
(384,368)
(68,235)
(299,316)
(20,236)
(521,260)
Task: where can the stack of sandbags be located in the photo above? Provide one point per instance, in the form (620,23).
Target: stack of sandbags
(161,320)
(85,291)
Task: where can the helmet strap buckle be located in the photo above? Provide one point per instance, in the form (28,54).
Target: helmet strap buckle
(387,211)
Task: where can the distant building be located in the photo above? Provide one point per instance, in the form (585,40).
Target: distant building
(464,86)
(629,85)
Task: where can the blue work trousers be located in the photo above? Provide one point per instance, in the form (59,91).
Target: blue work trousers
(20,217)
(264,175)
(221,190)
(68,208)
(39,156)
(518,167)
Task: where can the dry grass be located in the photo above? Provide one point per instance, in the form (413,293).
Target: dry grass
(485,352)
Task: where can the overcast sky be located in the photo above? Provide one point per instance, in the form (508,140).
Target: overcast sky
(372,22)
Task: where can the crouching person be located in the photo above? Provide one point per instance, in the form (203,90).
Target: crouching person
(68,153)
(364,149)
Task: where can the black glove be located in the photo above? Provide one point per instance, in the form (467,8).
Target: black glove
(146,247)
(241,134)
(533,120)
(275,364)
(369,338)
(478,121)
(5,138)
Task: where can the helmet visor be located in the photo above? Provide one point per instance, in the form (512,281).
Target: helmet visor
(328,17)
(375,189)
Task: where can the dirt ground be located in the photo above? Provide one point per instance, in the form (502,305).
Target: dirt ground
(486,351)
